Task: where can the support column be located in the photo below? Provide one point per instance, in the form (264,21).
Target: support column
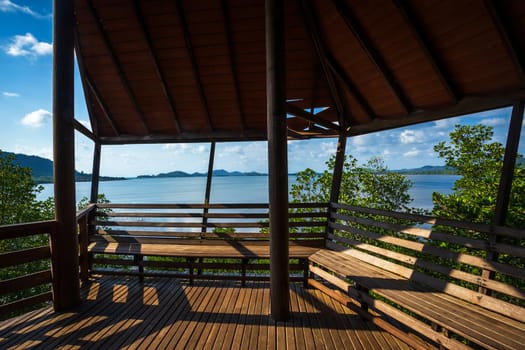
(337,175)
(277,160)
(95,174)
(208,186)
(505,182)
(64,244)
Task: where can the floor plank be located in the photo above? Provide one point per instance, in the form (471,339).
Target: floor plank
(123,313)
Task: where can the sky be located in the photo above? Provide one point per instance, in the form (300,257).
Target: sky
(26,119)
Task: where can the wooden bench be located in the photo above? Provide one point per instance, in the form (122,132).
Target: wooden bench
(397,269)
(220,241)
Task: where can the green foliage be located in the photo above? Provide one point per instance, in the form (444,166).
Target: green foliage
(18,194)
(478,161)
(369,185)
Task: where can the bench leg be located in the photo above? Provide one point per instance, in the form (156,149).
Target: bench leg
(138,261)
(363,290)
(243,271)
(190,268)
(306,271)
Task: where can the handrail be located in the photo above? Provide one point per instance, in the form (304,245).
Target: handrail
(86,211)
(31,288)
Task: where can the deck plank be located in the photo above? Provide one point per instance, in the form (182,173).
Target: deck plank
(124,313)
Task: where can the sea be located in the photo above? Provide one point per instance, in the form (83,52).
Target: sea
(228,189)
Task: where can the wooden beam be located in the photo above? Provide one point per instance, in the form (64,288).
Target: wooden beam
(155,60)
(350,86)
(277,160)
(95,174)
(194,65)
(428,51)
(313,31)
(233,63)
(102,104)
(301,113)
(295,134)
(118,66)
(64,241)
(505,184)
(373,54)
(501,23)
(467,105)
(84,131)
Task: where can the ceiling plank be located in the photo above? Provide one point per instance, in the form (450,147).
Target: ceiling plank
(427,49)
(494,8)
(355,28)
(118,66)
(194,65)
(313,31)
(233,63)
(301,113)
(155,60)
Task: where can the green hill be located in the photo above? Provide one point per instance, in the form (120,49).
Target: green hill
(42,168)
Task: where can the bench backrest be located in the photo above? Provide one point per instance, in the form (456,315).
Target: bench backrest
(191,223)
(482,264)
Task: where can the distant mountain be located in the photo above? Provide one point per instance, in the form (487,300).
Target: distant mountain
(216,173)
(428,170)
(42,169)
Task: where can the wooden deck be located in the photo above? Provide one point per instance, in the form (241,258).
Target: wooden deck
(166,313)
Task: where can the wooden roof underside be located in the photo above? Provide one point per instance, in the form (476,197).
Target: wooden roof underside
(188,71)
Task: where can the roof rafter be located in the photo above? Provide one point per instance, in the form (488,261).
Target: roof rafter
(193,60)
(87,81)
(428,50)
(500,23)
(353,25)
(84,131)
(350,86)
(87,96)
(312,29)
(301,113)
(296,135)
(117,64)
(233,63)
(155,60)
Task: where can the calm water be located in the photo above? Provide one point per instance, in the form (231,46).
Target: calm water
(232,189)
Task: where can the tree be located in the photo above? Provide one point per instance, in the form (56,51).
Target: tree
(18,192)
(370,185)
(478,160)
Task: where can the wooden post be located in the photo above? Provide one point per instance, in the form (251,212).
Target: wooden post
(505,183)
(64,244)
(277,160)
(208,187)
(337,176)
(95,175)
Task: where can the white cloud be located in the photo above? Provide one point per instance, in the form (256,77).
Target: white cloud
(37,118)
(86,123)
(494,121)
(28,46)
(10,94)
(412,153)
(9,6)
(446,123)
(411,136)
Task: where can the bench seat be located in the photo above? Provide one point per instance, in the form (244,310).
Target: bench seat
(479,325)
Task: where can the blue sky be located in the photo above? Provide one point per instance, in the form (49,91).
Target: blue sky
(25,105)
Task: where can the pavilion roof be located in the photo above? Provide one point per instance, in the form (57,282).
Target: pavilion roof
(188,71)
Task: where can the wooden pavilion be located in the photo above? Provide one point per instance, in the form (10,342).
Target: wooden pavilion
(161,71)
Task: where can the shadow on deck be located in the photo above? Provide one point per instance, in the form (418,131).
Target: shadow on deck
(166,313)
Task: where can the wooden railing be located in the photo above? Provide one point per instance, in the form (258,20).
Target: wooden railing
(158,224)
(446,255)
(25,266)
